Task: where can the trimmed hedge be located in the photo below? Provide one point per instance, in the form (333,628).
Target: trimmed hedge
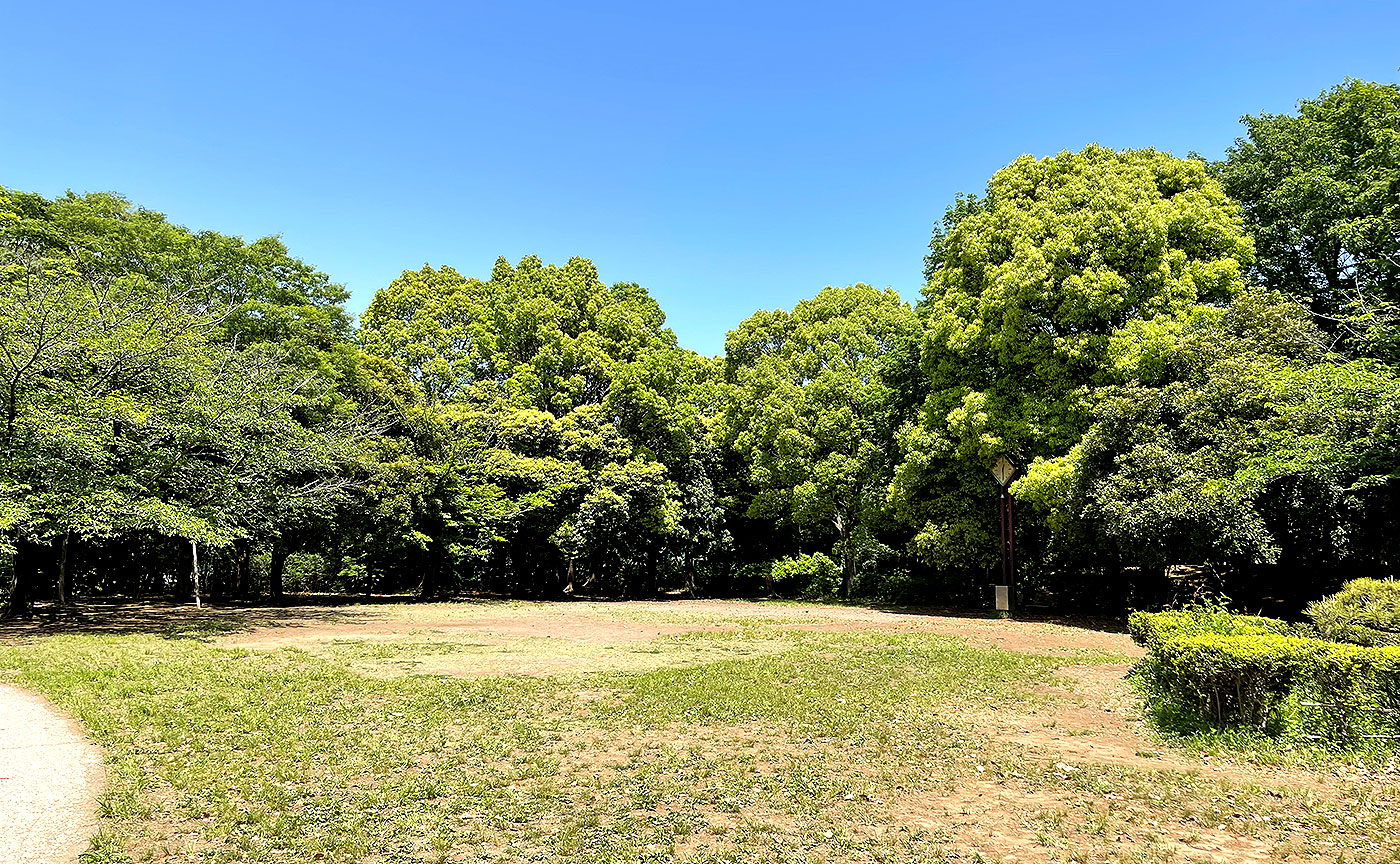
(1211,668)
(1149,628)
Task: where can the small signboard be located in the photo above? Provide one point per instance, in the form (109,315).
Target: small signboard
(1003,598)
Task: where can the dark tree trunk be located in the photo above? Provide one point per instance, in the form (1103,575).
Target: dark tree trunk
(27,568)
(276,568)
(242,568)
(63,596)
(427,589)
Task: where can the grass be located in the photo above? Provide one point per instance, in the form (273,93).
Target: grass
(756,744)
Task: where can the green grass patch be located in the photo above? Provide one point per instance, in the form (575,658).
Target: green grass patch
(786,746)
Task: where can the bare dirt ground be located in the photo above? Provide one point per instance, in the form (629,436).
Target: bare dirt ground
(50,777)
(495,638)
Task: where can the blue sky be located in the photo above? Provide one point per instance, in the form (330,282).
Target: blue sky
(727,156)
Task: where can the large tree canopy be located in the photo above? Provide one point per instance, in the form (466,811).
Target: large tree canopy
(584,410)
(161,381)
(1073,273)
(1321,195)
(816,395)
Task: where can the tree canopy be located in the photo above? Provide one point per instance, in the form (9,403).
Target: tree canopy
(1190,362)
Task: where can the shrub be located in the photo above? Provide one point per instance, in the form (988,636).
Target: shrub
(1267,680)
(806,576)
(1226,680)
(1364,612)
(1150,628)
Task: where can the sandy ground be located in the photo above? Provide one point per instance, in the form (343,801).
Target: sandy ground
(492,638)
(50,776)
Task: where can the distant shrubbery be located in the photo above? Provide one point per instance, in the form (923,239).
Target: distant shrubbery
(1210,668)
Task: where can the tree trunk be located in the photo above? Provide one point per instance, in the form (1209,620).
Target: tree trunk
(23,581)
(194,557)
(848,575)
(64,597)
(242,568)
(276,567)
(427,589)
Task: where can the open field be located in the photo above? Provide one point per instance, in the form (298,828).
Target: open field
(686,731)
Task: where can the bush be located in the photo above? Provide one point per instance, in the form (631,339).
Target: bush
(1212,668)
(1150,628)
(1226,680)
(806,576)
(1364,612)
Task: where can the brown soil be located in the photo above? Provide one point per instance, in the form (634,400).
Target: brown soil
(1091,714)
(555,638)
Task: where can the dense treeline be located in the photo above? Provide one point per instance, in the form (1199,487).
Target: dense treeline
(1192,362)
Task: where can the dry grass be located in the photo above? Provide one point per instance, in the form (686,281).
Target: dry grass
(668,732)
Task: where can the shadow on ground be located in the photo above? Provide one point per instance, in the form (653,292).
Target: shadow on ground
(172,620)
(177,620)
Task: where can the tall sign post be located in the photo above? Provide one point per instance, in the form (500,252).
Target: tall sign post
(1004,471)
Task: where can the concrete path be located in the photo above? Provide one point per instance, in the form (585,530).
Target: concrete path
(50,776)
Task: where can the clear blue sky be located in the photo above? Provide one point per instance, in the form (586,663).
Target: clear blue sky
(727,156)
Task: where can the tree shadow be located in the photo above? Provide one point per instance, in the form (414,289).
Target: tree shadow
(1100,623)
(182,620)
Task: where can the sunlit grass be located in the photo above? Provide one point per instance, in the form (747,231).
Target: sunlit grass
(752,743)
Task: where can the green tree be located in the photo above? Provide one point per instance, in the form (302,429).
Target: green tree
(815,398)
(1070,274)
(1251,449)
(587,412)
(132,406)
(1321,196)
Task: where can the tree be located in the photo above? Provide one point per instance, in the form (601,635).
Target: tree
(1250,449)
(814,402)
(1067,275)
(143,392)
(1321,196)
(584,409)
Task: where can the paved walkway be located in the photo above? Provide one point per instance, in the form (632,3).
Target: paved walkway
(50,776)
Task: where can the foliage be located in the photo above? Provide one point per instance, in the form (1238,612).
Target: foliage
(158,381)
(1363,612)
(1250,447)
(1207,666)
(1319,195)
(815,395)
(1150,629)
(812,575)
(564,411)
(1072,275)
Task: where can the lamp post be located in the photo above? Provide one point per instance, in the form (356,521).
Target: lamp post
(1004,471)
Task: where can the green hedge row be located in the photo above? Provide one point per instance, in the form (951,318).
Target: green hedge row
(1149,628)
(1213,668)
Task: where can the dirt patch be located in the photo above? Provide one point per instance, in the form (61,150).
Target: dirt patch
(587,630)
(1093,716)
(498,638)
(1009,824)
